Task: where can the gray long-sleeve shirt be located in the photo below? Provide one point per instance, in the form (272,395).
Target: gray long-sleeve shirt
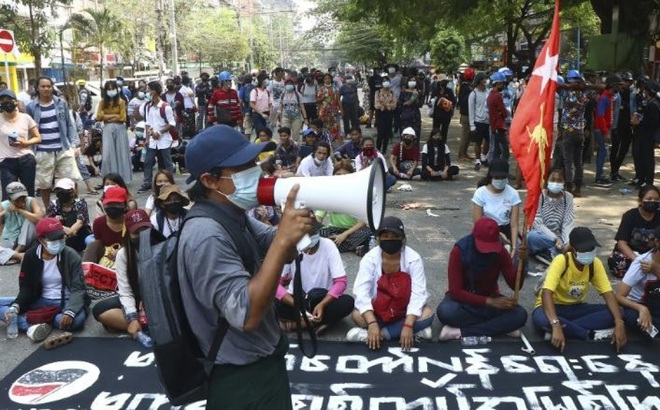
(478,106)
(214,282)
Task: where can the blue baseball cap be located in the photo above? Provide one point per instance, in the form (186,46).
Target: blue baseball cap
(221,146)
(308,131)
(8,93)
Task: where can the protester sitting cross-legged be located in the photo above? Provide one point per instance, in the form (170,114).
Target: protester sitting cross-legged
(72,211)
(390,292)
(436,160)
(367,157)
(317,164)
(115,180)
(639,291)
(635,233)
(347,232)
(171,211)
(286,154)
(51,277)
(560,310)
(162,177)
(474,305)
(405,157)
(324,282)
(20,214)
(122,312)
(109,230)
(554,219)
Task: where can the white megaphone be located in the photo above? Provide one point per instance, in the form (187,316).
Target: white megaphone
(360,195)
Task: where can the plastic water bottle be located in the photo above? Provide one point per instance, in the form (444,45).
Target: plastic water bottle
(469,340)
(12,325)
(625,191)
(372,242)
(144,339)
(484,340)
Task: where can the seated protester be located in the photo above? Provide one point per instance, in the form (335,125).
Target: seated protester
(639,291)
(318,164)
(113,179)
(560,309)
(179,156)
(122,312)
(499,201)
(171,211)
(322,135)
(368,155)
(347,232)
(20,214)
(474,305)
(324,282)
(109,230)
(436,160)
(380,315)
(405,157)
(162,177)
(286,154)
(94,155)
(308,146)
(265,214)
(72,211)
(138,147)
(264,135)
(554,219)
(352,148)
(51,276)
(635,234)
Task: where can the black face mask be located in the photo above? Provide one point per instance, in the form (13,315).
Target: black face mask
(170,87)
(650,206)
(114,213)
(408,142)
(8,106)
(391,246)
(205,80)
(173,207)
(64,196)
(135,242)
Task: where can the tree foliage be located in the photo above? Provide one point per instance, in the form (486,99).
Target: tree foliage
(29,20)
(448,50)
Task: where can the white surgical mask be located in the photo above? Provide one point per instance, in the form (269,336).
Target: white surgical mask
(120,83)
(55,247)
(112,93)
(141,95)
(412,84)
(499,183)
(585,258)
(245,188)
(555,187)
(289,87)
(318,163)
(386,84)
(391,70)
(313,240)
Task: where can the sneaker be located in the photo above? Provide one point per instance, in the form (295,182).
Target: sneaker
(357,334)
(603,182)
(143,189)
(39,333)
(544,256)
(618,177)
(449,333)
(634,182)
(417,178)
(425,334)
(515,334)
(603,334)
(477,166)
(361,250)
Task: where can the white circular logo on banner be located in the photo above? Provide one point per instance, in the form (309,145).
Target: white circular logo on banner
(53,381)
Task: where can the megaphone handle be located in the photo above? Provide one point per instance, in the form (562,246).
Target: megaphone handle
(306,240)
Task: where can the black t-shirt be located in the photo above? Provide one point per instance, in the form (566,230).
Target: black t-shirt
(637,231)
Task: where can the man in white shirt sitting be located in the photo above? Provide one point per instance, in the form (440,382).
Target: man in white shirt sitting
(317,164)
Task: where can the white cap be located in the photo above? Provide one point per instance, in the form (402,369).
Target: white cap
(409,131)
(65,183)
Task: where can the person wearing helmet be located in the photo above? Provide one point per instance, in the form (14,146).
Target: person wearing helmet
(224,105)
(622,131)
(573,122)
(479,121)
(603,125)
(646,120)
(203,92)
(464,91)
(497,114)
(244,95)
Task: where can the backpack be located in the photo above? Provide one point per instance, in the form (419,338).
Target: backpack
(392,296)
(173,131)
(539,285)
(183,369)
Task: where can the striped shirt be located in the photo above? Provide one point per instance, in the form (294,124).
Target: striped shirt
(51,140)
(555,216)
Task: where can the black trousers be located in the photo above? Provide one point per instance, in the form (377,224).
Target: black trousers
(644,151)
(621,139)
(333,313)
(442,122)
(311,111)
(384,130)
(351,118)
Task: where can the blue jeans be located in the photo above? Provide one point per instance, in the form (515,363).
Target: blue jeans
(578,320)
(258,122)
(480,320)
(601,155)
(78,321)
(392,331)
(23,169)
(630,317)
(390,181)
(538,241)
(164,162)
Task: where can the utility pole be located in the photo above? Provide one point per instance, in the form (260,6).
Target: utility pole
(175,50)
(251,37)
(159,40)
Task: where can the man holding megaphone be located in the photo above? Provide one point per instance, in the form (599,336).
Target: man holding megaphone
(214,280)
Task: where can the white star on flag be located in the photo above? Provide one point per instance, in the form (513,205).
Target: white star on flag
(548,71)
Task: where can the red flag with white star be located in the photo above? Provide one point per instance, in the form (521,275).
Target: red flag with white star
(532,127)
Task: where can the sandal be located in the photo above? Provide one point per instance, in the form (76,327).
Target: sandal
(58,340)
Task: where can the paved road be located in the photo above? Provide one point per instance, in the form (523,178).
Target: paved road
(432,237)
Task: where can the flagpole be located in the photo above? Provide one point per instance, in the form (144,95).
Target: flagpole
(523,244)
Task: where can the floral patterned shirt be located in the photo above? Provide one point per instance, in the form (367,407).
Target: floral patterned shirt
(575,103)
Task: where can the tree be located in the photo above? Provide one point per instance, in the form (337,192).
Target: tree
(101,28)
(448,50)
(29,20)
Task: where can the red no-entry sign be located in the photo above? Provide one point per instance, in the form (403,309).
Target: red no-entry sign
(7,42)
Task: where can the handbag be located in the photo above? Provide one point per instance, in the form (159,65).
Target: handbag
(42,315)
